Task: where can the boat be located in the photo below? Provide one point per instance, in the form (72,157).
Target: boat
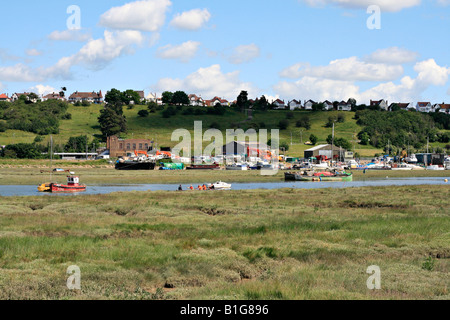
(237,166)
(219,185)
(319,176)
(435,167)
(135,165)
(411,159)
(401,167)
(204,167)
(73,185)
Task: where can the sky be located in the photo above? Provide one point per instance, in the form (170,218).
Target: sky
(291,49)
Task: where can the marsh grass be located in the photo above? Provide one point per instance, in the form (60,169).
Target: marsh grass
(259,244)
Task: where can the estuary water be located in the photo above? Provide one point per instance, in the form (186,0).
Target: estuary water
(31,190)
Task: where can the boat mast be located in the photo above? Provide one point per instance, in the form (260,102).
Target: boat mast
(51,157)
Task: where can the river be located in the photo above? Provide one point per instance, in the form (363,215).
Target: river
(27,190)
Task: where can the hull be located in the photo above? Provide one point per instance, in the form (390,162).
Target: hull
(289,176)
(204,167)
(135,166)
(60,188)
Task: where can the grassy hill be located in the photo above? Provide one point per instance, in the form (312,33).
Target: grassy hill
(84,121)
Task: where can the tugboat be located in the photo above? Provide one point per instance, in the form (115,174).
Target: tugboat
(73,185)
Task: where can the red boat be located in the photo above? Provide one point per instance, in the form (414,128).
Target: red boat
(73,185)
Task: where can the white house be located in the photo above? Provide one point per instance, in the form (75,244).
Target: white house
(4,97)
(309,104)
(217,100)
(424,107)
(196,101)
(444,108)
(328,105)
(344,106)
(279,104)
(91,97)
(294,104)
(383,104)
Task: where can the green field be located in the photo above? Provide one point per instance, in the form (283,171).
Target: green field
(84,121)
(290,244)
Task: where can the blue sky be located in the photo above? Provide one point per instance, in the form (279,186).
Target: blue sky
(292,49)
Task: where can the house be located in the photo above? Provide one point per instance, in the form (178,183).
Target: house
(53,96)
(324,150)
(119,147)
(444,108)
(196,101)
(328,105)
(309,104)
(141,95)
(91,97)
(294,104)
(279,104)
(217,100)
(344,106)
(424,107)
(402,106)
(382,104)
(16,96)
(4,97)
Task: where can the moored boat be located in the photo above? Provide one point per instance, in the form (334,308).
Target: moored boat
(219,185)
(204,167)
(73,185)
(319,176)
(135,165)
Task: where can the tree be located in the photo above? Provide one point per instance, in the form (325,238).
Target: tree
(111,122)
(167,97)
(130,97)
(318,107)
(242,100)
(62,93)
(313,139)
(114,97)
(180,98)
(76,144)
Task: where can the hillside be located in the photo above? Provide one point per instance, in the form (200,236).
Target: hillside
(84,121)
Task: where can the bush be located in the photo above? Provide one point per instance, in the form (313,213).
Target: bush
(214,125)
(3,126)
(290,115)
(313,139)
(143,113)
(283,124)
(67,116)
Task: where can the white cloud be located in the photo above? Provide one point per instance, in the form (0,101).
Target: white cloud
(208,82)
(349,69)
(95,54)
(70,35)
(448,91)
(385,5)
(183,52)
(443,2)
(20,73)
(191,20)
(41,89)
(33,52)
(393,55)
(148,15)
(429,73)
(244,53)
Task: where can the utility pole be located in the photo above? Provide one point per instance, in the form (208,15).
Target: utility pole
(291,138)
(301,136)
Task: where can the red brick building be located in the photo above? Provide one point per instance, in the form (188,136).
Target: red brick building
(120,147)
